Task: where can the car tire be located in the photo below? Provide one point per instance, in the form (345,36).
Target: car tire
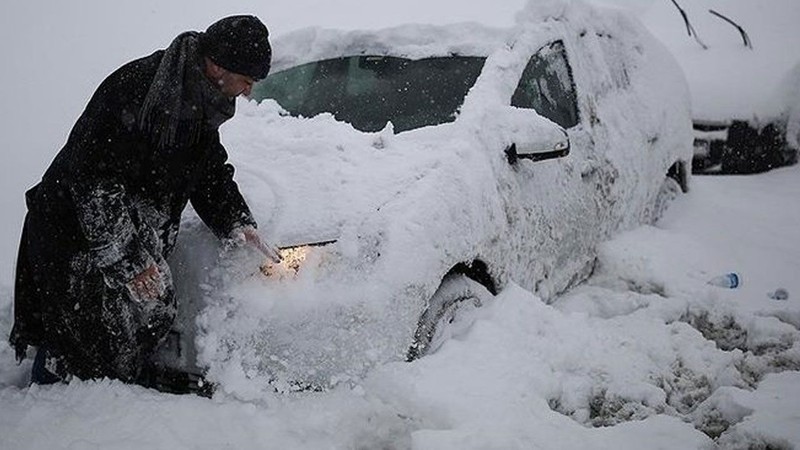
(448,312)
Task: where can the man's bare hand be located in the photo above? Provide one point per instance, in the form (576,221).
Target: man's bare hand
(251,237)
(148,285)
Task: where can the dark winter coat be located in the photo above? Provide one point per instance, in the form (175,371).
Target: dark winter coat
(108,206)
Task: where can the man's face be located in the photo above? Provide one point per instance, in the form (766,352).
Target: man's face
(234,84)
(231,84)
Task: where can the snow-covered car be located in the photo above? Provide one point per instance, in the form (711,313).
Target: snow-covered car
(745,84)
(427,167)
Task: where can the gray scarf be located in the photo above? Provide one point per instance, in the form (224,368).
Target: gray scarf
(182,102)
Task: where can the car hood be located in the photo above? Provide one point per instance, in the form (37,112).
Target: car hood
(313,179)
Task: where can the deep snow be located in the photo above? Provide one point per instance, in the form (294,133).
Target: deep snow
(645,345)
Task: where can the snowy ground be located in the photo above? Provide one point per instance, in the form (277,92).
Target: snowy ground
(643,355)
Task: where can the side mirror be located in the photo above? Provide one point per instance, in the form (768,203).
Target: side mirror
(557,149)
(535,138)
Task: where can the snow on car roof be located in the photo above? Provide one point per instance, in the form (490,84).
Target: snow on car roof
(414,41)
(410,41)
(729,80)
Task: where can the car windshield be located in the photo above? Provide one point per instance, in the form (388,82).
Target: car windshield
(369,91)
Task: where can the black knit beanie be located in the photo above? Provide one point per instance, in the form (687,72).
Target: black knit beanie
(239,44)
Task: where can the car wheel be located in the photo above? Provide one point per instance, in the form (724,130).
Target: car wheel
(669,191)
(450,311)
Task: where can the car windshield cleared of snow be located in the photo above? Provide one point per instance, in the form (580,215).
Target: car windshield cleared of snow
(370,91)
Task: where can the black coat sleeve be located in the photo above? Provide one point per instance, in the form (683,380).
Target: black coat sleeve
(216,196)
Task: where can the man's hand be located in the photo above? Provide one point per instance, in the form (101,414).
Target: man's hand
(149,285)
(249,235)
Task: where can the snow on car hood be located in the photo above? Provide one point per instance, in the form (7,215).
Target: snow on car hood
(309,178)
(396,204)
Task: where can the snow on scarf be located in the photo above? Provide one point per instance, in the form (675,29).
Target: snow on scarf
(182,101)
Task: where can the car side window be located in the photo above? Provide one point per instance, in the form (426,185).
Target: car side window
(548,87)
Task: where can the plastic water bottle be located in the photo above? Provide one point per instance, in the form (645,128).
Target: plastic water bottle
(728,280)
(779,294)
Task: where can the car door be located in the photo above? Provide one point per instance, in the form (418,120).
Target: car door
(556,209)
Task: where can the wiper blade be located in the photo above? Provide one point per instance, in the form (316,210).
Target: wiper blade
(745,37)
(689,27)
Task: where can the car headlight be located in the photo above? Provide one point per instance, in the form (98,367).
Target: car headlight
(292,259)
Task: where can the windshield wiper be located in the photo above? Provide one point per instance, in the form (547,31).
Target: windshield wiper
(689,27)
(745,37)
